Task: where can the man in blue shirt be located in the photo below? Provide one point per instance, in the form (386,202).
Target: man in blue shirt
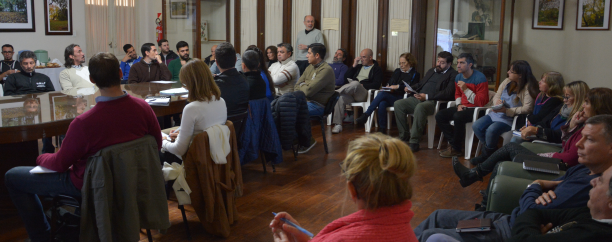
(568,191)
(131,57)
(339,67)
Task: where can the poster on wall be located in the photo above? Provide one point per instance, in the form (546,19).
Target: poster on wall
(548,14)
(179,9)
(58,17)
(17,16)
(593,15)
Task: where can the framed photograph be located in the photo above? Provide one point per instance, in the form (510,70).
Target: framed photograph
(593,15)
(19,111)
(548,14)
(17,16)
(58,17)
(179,9)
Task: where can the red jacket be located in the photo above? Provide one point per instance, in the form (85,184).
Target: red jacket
(384,224)
(477,83)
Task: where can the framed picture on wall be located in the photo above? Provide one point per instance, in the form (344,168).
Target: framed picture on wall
(17,16)
(593,15)
(179,9)
(58,17)
(548,14)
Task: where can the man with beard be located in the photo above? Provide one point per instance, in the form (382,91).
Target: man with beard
(8,65)
(75,75)
(339,67)
(131,57)
(150,67)
(436,85)
(167,55)
(175,66)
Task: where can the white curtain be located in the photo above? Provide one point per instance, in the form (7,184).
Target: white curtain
(248,24)
(274,22)
(301,8)
(96,12)
(126,25)
(367,26)
(110,25)
(398,9)
(331,9)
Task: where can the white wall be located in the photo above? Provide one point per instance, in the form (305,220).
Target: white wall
(213,11)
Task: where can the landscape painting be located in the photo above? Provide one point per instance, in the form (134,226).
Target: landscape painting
(58,17)
(548,14)
(593,15)
(17,16)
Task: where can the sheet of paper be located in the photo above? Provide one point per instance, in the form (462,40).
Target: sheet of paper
(330,23)
(165,136)
(163,82)
(158,101)
(185,96)
(41,170)
(399,25)
(175,91)
(409,87)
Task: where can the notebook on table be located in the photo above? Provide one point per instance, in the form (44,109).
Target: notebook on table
(474,225)
(158,100)
(541,166)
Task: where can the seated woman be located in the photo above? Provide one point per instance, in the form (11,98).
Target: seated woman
(206,108)
(263,71)
(598,101)
(271,52)
(516,93)
(549,130)
(394,90)
(378,170)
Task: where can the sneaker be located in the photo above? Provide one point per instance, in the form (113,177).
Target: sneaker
(304,149)
(414,147)
(337,129)
(450,153)
(348,119)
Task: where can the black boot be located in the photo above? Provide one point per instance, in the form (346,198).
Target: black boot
(362,119)
(486,152)
(467,176)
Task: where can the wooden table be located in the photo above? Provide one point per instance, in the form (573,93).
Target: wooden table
(26,118)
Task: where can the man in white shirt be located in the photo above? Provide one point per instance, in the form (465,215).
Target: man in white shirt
(75,75)
(285,72)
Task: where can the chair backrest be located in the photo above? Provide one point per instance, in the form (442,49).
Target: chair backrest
(331,103)
(238,120)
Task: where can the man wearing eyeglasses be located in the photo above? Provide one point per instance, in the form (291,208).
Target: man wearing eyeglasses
(8,65)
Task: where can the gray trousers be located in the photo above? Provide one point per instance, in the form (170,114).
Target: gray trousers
(349,93)
(444,221)
(419,110)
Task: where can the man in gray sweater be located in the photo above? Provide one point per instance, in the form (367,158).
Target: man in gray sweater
(304,39)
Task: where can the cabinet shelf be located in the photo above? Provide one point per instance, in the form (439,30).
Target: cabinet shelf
(486,42)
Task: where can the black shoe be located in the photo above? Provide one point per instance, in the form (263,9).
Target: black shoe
(467,176)
(362,119)
(479,207)
(383,130)
(414,147)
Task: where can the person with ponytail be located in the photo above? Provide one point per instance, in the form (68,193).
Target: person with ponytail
(377,169)
(263,72)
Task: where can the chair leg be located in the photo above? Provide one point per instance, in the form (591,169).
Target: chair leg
(324,140)
(355,109)
(294,148)
(389,121)
(149,235)
(263,161)
(440,142)
(182,208)
(469,140)
(478,149)
(431,131)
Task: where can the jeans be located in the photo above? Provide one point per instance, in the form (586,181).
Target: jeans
(315,109)
(444,221)
(23,188)
(489,132)
(382,101)
(456,137)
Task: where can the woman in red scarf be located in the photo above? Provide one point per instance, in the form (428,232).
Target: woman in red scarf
(378,170)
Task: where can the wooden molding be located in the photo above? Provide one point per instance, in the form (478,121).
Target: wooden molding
(228,23)
(383,27)
(164,19)
(287,21)
(197,31)
(261,27)
(419,27)
(315,11)
(353,32)
(237,25)
(345,29)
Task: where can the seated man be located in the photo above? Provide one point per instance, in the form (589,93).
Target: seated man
(437,85)
(234,86)
(8,65)
(339,67)
(76,75)
(250,68)
(210,60)
(568,191)
(317,83)
(175,66)
(131,58)
(284,72)
(149,68)
(367,75)
(215,70)
(87,134)
(27,81)
(167,55)
(471,90)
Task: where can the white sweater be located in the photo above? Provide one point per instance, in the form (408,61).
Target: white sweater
(75,78)
(284,72)
(197,117)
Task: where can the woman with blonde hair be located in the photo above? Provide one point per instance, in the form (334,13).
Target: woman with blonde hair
(378,169)
(206,108)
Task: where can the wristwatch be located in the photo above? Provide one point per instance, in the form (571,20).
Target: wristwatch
(533,183)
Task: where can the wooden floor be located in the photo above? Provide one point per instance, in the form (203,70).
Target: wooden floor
(312,190)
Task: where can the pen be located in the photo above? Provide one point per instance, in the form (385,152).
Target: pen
(297,227)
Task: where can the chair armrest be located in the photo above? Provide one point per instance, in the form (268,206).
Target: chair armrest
(451,104)
(514,122)
(438,104)
(547,143)
(371,93)
(477,110)
(505,193)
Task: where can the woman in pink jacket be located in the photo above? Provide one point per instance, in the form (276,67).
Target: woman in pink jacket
(378,170)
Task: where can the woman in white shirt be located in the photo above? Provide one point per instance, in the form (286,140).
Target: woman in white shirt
(206,108)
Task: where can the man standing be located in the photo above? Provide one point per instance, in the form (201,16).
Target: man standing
(437,85)
(131,58)
(167,55)
(471,90)
(116,118)
(75,75)
(27,81)
(363,77)
(175,66)
(234,86)
(149,68)
(285,72)
(304,39)
(210,60)
(8,65)
(339,67)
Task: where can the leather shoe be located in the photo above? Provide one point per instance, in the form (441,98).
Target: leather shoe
(451,153)
(414,147)
(467,176)
(362,119)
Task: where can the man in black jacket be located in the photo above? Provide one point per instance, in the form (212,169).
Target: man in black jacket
(361,78)
(234,86)
(437,85)
(166,54)
(27,81)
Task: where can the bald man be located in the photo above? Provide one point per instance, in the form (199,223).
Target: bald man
(210,60)
(365,74)
(304,39)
